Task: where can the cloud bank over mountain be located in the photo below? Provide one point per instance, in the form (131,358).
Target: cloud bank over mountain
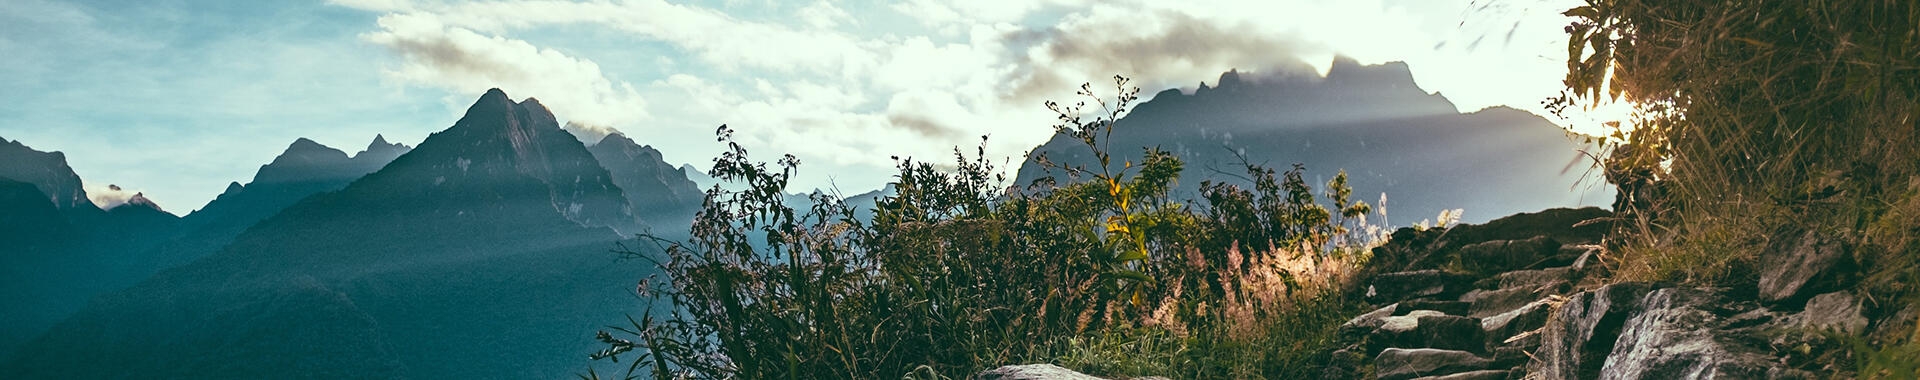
(861,82)
(856,81)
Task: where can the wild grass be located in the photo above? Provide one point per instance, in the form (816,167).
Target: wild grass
(1756,122)
(957,272)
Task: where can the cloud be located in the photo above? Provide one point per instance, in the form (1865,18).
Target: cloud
(110,196)
(588,133)
(465,62)
(847,87)
(824,15)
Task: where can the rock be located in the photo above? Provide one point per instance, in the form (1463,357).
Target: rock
(1401,286)
(1588,256)
(1371,320)
(1673,336)
(1442,306)
(1784,272)
(1578,336)
(1409,248)
(1837,311)
(1503,255)
(1568,255)
(1401,363)
(1508,357)
(1505,325)
(1559,224)
(1430,329)
(1900,325)
(1032,372)
(1487,303)
(1405,323)
(1344,364)
(1486,374)
(1529,277)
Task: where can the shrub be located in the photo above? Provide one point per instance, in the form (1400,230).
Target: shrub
(1754,121)
(956,272)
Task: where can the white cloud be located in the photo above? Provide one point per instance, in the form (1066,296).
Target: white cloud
(463,61)
(848,87)
(824,15)
(110,196)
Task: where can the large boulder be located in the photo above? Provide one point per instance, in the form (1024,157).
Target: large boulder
(1402,364)
(1579,336)
(1800,267)
(1674,335)
(1837,311)
(1032,372)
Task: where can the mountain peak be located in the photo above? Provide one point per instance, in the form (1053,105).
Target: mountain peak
(1230,78)
(1346,69)
(494,95)
(381,150)
(140,200)
(307,152)
(498,141)
(300,161)
(617,139)
(303,144)
(47,171)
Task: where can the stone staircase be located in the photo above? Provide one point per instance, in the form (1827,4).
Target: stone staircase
(1466,302)
(1526,297)
(1513,299)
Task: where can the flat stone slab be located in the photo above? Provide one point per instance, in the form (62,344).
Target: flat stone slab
(1401,286)
(1404,364)
(1032,372)
(1485,374)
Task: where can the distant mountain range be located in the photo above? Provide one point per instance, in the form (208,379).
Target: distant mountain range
(488,243)
(1370,120)
(57,249)
(483,252)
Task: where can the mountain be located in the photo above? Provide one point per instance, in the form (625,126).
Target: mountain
(57,249)
(660,193)
(1370,120)
(47,171)
(482,253)
(305,168)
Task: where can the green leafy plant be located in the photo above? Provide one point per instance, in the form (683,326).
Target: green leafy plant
(954,272)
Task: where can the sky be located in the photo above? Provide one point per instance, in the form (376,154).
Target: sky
(178,98)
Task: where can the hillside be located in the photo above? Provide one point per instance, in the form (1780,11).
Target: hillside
(500,223)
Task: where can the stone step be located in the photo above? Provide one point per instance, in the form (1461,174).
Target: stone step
(1442,306)
(1487,303)
(1505,255)
(1532,316)
(1525,277)
(1428,329)
(1405,364)
(1430,283)
(1485,374)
